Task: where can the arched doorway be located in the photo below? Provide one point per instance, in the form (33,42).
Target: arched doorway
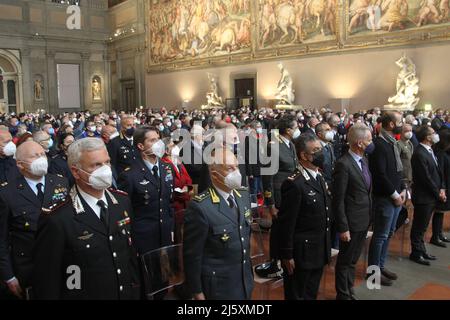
(11,91)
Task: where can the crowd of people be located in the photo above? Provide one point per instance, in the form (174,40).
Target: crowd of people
(96,192)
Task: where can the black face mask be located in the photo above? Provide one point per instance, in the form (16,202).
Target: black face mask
(129,132)
(318,159)
(397,129)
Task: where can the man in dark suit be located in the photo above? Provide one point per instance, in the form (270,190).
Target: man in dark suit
(325,134)
(149,184)
(389,192)
(339,131)
(438,120)
(83,248)
(8,168)
(121,149)
(21,202)
(194,161)
(352,207)
(286,156)
(304,223)
(216,243)
(427,190)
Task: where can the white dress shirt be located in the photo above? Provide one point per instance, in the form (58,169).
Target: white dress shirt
(151,165)
(92,201)
(356,157)
(226,195)
(314,173)
(430,150)
(33,184)
(286,141)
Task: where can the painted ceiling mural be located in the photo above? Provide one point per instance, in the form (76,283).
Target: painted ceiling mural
(185,34)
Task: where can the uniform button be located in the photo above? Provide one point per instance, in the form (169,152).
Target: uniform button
(328,229)
(306,240)
(110,238)
(121,288)
(118,271)
(88,246)
(240,227)
(114,254)
(160,220)
(328,219)
(214,272)
(160,199)
(245,261)
(242,238)
(22,254)
(326,208)
(160,210)
(314,200)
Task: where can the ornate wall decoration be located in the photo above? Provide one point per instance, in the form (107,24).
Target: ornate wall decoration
(187,34)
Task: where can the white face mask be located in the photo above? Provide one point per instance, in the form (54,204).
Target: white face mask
(408,135)
(435,138)
(39,167)
(101,178)
(92,128)
(415,123)
(296,133)
(158,149)
(169,124)
(115,134)
(233,180)
(179,126)
(329,136)
(9,149)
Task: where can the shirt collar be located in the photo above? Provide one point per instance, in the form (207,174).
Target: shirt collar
(285,140)
(313,173)
(225,195)
(426,147)
(151,165)
(92,201)
(355,156)
(34,183)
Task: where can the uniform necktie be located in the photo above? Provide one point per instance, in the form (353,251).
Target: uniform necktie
(103,213)
(155,171)
(231,202)
(365,173)
(40,192)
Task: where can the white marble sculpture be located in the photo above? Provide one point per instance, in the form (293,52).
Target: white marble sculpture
(285,93)
(212,97)
(407,86)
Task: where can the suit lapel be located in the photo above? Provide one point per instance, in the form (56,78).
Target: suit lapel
(313,183)
(25,191)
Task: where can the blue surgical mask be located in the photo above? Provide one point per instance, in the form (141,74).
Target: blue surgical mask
(51,131)
(370,148)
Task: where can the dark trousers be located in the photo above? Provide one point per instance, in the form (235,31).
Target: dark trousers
(302,285)
(438,225)
(422,216)
(349,253)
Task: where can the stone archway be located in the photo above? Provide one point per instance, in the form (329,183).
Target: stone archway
(11,80)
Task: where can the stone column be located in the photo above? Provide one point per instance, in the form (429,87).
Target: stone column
(27,85)
(86,85)
(52,83)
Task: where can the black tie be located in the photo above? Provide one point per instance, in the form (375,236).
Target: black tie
(155,172)
(231,202)
(103,213)
(40,193)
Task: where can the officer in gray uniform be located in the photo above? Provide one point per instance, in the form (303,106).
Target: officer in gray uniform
(217,235)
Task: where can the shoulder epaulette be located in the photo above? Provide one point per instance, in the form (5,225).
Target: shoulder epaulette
(202,196)
(127,169)
(295,175)
(4,184)
(53,207)
(60,175)
(123,193)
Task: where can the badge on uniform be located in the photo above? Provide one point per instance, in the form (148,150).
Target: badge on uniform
(311,193)
(144,182)
(169,177)
(123,222)
(225,237)
(59,194)
(86,236)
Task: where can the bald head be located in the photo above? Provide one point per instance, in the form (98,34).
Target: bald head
(26,154)
(27,150)
(5,138)
(223,162)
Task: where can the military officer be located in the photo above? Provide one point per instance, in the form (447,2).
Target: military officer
(304,222)
(217,235)
(121,149)
(83,249)
(21,202)
(149,183)
(8,168)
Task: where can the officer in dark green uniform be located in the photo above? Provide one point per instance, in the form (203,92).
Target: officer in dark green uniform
(217,235)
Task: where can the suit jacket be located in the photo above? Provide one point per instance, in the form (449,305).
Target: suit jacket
(287,163)
(217,246)
(383,166)
(72,235)
(427,179)
(194,164)
(19,213)
(151,199)
(58,165)
(8,169)
(352,200)
(444,165)
(328,163)
(304,220)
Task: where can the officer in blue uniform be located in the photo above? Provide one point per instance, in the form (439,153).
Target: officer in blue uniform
(149,183)
(216,243)
(121,149)
(21,201)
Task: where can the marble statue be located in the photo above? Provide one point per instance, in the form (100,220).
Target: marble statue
(96,90)
(285,93)
(212,97)
(407,86)
(38,89)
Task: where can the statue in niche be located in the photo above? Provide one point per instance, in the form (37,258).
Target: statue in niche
(38,87)
(96,89)
(407,86)
(212,97)
(285,93)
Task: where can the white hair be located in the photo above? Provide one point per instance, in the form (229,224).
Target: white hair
(357,133)
(77,148)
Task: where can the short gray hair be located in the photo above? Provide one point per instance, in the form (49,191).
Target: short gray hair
(357,132)
(40,136)
(77,148)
